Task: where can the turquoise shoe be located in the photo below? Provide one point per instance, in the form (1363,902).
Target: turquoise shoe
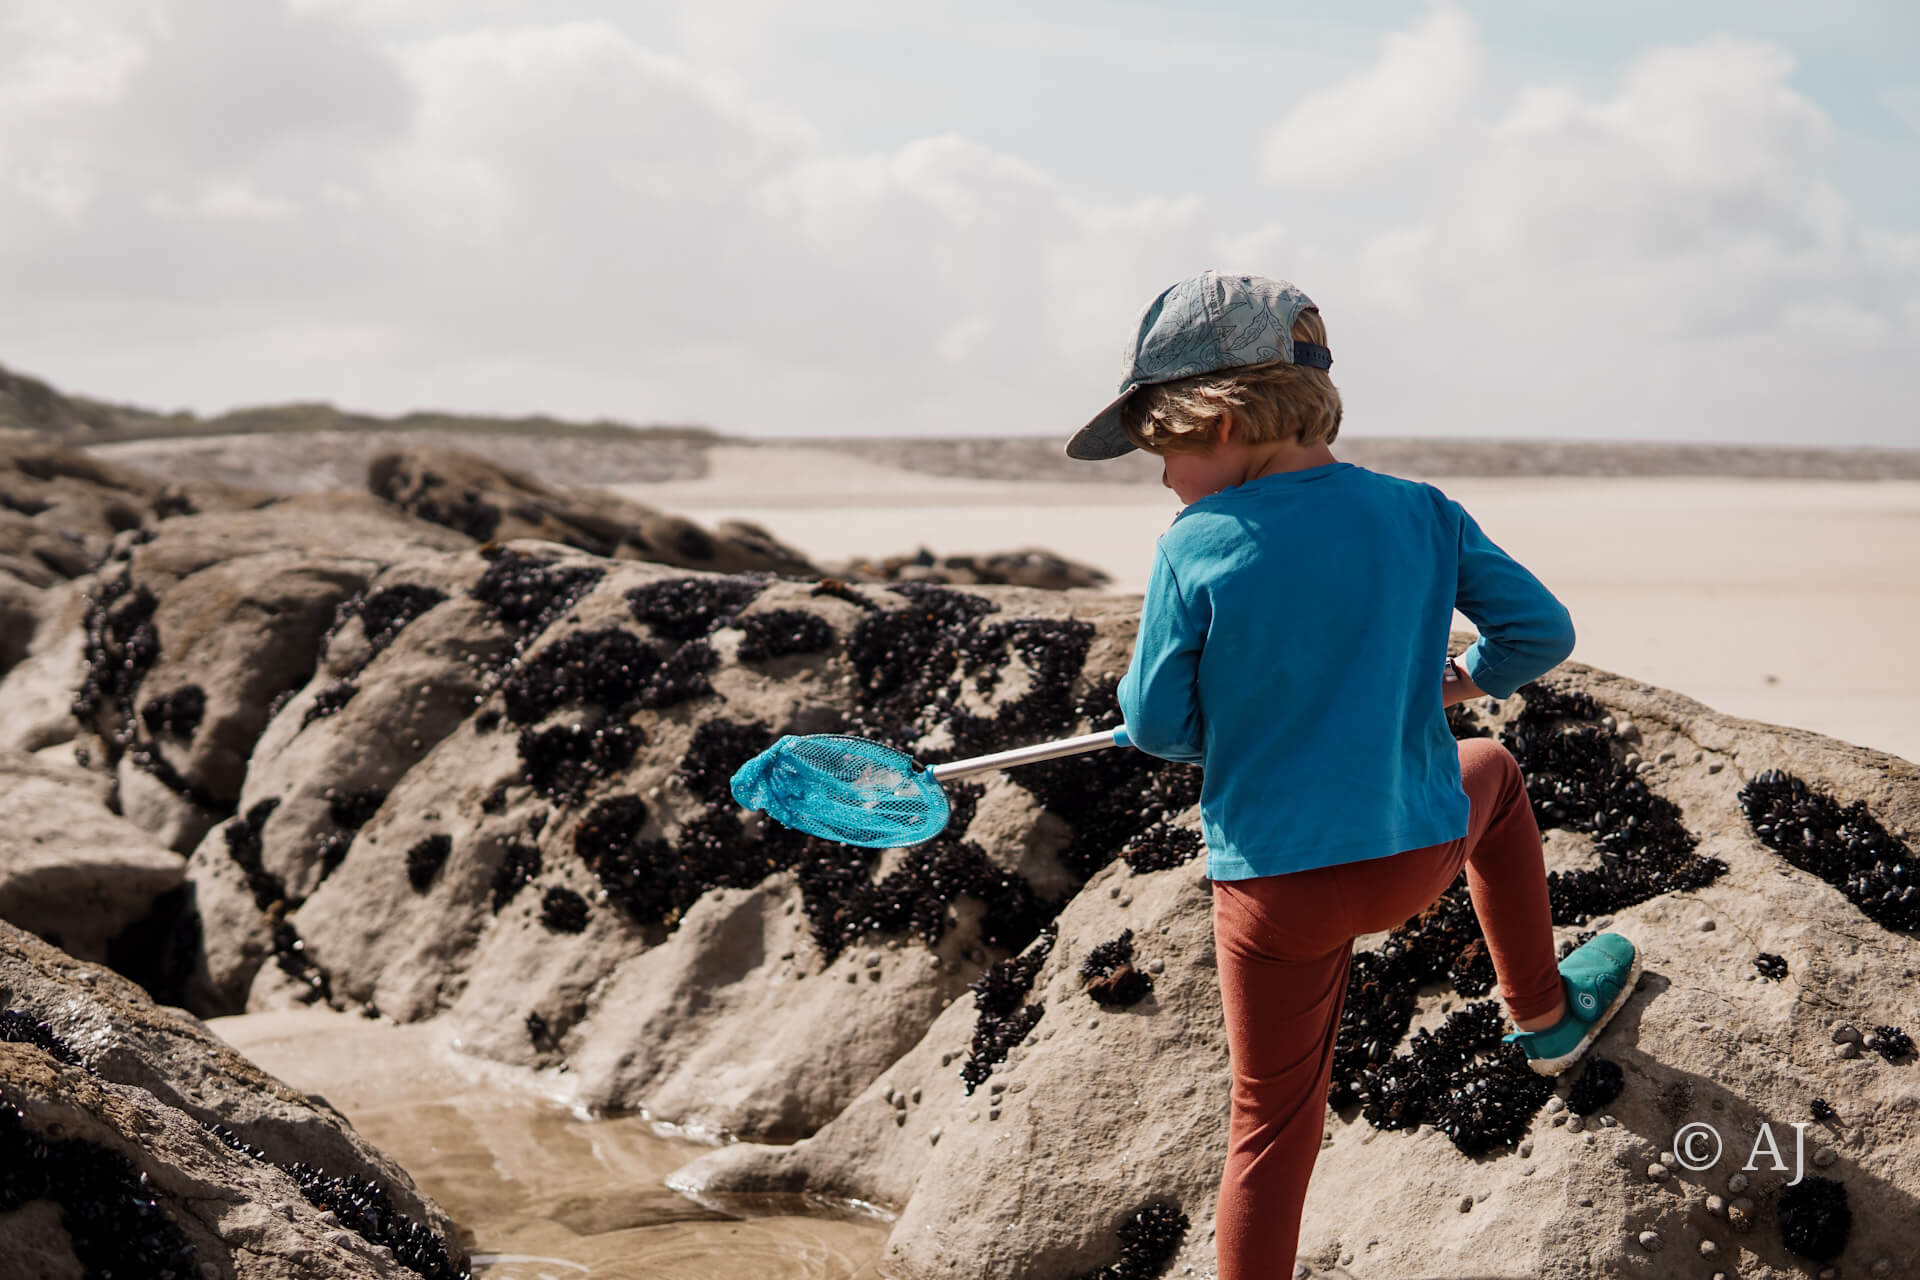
(1598,978)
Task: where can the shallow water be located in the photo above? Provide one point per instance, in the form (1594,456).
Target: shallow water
(541,1193)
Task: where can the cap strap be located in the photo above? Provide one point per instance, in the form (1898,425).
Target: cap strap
(1312,354)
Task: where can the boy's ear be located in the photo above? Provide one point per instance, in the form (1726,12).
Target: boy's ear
(1223,432)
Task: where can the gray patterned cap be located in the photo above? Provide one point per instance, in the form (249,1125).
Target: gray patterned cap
(1203,324)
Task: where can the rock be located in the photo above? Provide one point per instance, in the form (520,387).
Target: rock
(36,695)
(1708,1249)
(1845,1033)
(70,871)
(1847,1049)
(490,502)
(1658,1172)
(131,1092)
(1716,1206)
(1028,567)
(1652,1241)
(1737,1183)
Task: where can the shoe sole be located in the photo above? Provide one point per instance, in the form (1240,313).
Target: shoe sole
(1554,1066)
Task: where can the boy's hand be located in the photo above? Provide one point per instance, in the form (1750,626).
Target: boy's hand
(1457,686)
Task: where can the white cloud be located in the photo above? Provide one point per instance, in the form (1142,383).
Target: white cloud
(397,206)
(1406,99)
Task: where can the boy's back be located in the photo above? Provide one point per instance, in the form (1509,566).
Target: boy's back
(1308,612)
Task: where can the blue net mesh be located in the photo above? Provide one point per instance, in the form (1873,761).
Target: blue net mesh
(845,789)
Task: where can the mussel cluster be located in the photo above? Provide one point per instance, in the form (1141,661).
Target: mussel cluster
(386,613)
(1004,1018)
(121,646)
(682,609)
(364,1207)
(1576,782)
(1843,845)
(719,747)
(1149,1239)
(1109,976)
(1772,967)
(425,859)
(1462,1080)
(350,811)
(780,633)
(563,762)
(1161,846)
(1598,1083)
(519,867)
(116,1224)
(176,715)
(563,911)
(528,592)
(329,701)
(1814,1218)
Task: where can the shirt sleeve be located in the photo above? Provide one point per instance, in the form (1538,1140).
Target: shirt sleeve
(1524,631)
(1160,694)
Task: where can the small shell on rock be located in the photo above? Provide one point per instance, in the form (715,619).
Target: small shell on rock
(1715,767)
(1824,1157)
(1587,1138)
(1737,1183)
(1716,1206)
(1652,1241)
(900,1118)
(1156,966)
(1575,1124)
(1709,1249)
(1659,1172)
(1559,1119)
(933,1139)
(1466,1204)
(1608,1122)
(1585,1202)
(1526,1149)
(1707,926)
(1668,1159)
(1845,1032)
(1556,1104)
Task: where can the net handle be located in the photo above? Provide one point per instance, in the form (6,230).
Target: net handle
(955,769)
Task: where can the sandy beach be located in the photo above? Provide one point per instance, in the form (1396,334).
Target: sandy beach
(1788,601)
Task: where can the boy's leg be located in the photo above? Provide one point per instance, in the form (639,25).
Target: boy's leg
(1283,961)
(1507,879)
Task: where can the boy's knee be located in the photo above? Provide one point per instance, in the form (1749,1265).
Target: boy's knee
(1485,755)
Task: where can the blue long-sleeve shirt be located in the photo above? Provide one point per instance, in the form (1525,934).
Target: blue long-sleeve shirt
(1292,641)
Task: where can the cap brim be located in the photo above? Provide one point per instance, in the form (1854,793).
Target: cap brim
(1103,437)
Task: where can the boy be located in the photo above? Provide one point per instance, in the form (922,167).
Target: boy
(1286,644)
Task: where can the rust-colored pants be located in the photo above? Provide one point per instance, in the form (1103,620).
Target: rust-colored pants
(1284,943)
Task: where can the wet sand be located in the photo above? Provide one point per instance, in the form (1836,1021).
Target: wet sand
(541,1192)
(1787,601)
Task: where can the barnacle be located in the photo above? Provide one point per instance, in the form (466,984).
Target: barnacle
(329,701)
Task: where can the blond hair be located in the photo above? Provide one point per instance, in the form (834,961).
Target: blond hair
(1269,402)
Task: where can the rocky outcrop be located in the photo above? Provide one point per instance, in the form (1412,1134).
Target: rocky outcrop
(488,501)
(1010,1036)
(132,1142)
(1027,567)
(487,785)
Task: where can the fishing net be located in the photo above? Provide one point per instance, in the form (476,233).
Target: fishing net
(846,789)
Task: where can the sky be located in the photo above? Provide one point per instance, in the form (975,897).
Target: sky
(1520,218)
